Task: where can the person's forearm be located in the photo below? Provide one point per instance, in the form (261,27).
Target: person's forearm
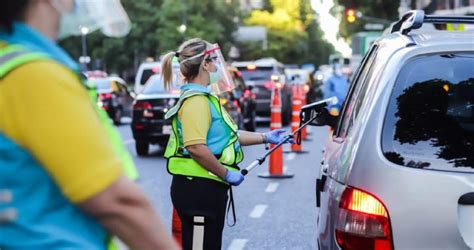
(247,138)
(202,155)
(126,213)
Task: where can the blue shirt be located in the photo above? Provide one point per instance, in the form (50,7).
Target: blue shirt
(337,86)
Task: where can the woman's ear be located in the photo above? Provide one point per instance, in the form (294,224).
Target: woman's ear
(205,66)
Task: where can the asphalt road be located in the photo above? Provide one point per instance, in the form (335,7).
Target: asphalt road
(271,213)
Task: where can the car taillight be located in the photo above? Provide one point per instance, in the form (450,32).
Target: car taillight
(105,96)
(268,85)
(140,105)
(363,222)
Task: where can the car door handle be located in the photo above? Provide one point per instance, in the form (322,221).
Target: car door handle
(324,168)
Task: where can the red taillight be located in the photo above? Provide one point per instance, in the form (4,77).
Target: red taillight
(105,96)
(363,222)
(268,85)
(141,105)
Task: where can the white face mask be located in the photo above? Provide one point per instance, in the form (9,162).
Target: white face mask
(90,15)
(215,76)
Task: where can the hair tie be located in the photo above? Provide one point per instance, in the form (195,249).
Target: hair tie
(176,54)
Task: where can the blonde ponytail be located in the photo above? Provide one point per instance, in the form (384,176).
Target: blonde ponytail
(167,69)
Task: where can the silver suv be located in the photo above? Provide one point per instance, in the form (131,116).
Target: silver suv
(398,172)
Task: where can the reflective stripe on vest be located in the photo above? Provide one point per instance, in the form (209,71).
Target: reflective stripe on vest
(180,164)
(14,56)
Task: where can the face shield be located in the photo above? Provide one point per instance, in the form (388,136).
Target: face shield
(220,80)
(90,15)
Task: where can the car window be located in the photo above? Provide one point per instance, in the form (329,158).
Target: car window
(356,94)
(155,85)
(429,123)
(257,74)
(102,85)
(146,74)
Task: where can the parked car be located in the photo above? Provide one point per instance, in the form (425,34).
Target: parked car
(146,70)
(398,170)
(242,99)
(148,123)
(114,97)
(303,77)
(262,75)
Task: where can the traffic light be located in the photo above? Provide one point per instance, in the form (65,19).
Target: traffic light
(351,15)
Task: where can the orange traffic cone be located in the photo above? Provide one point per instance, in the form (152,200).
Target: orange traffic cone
(297,103)
(275,168)
(176,227)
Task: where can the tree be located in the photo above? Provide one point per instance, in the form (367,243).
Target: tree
(154,31)
(381,9)
(293,34)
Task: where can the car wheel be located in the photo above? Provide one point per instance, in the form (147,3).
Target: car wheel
(117,116)
(142,148)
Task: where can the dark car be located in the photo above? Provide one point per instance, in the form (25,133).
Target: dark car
(114,97)
(148,123)
(263,75)
(241,102)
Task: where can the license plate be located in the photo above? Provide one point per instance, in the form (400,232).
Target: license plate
(166,129)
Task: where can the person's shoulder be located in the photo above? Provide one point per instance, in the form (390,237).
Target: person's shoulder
(196,100)
(44,72)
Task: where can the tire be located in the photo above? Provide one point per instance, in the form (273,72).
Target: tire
(117,116)
(142,148)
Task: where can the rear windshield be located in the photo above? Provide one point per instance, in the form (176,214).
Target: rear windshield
(146,74)
(102,84)
(258,74)
(154,86)
(430,117)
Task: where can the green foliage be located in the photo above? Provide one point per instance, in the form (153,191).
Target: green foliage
(154,31)
(382,9)
(293,34)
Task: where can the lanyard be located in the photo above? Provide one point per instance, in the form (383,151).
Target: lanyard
(231,205)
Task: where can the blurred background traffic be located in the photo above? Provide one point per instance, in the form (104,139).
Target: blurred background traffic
(267,43)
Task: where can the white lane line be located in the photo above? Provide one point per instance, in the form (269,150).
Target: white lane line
(272,187)
(258,211)
(237,244)
(291,156)
(128,141)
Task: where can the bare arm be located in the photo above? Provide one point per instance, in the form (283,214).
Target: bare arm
(125,212)
(205,158)
(247,138)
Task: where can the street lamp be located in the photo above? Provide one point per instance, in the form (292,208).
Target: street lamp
(84,59)
(182,28)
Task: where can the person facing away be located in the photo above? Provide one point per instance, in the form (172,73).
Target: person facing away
(62,184)
(338,86)
(205,145)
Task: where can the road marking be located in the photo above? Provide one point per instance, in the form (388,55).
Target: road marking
(272,187)
(237,244)
(128,141)
(258,211)
(291,156)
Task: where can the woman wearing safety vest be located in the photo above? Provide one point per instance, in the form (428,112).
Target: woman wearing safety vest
(63,181)
(204,146)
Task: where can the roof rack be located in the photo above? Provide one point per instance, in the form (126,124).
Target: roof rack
(414,20)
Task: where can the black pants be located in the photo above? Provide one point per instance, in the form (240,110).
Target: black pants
(199,198)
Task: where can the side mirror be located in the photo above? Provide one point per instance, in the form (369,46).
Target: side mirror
(316,114)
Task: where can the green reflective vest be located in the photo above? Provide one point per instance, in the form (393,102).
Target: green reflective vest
(13,56)
(179,163)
